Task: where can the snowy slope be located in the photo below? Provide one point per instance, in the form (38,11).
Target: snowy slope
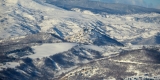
(19,19)
(50,59)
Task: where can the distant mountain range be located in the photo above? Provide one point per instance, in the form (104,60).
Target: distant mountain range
(100,7)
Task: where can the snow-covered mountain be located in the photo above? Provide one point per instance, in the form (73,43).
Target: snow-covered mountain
(77,39)
(20,19)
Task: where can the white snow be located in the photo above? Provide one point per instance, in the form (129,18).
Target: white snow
(11,2)
(89,54)
(88,12)
(82,11)
(47,24)
(9,65)
(47,50)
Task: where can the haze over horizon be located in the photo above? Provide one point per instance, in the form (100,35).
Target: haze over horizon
(144,3)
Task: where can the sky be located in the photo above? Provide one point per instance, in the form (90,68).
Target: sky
(144,3)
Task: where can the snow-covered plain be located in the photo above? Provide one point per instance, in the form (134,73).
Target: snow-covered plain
(47,50)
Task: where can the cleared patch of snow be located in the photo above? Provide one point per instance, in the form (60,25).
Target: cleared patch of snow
(47,50)
(9,65)
(26,15)
(88,12)
(129,18)
(11,2)
(47,24)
